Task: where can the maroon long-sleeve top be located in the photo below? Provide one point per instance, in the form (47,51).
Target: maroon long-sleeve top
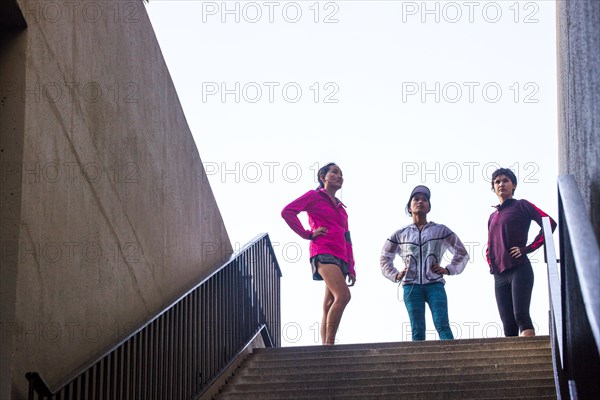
(508,227)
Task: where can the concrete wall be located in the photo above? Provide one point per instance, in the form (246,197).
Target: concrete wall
(579,98)
(112,216)
(12,116)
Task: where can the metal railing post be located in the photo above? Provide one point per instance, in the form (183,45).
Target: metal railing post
(178,352)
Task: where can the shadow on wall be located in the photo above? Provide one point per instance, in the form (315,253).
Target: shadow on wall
(12,114)
(88,258)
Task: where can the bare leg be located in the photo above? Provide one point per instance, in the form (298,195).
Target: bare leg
(336,284)
(326,306)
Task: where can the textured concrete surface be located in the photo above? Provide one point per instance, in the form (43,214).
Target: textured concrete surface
(579,98)
(454,369)
(110,214)
(12,48)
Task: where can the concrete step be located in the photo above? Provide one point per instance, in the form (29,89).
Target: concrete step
(497,368)
(374,364)
(396,351)
(463,395)
(414,381)
(382,376)
(549,397)
(444,345)
(463,357)
(395,392)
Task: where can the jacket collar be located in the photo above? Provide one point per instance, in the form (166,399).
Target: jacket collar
(337,201)
(506,203)
(413,225)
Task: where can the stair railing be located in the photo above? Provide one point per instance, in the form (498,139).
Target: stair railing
(574,296)
(177,353)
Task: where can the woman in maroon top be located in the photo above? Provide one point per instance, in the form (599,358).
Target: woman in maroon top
(330,246)
(508,228)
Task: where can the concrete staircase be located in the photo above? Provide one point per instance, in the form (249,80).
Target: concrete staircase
(499,368)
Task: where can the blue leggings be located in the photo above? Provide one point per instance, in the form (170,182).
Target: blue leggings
(513,296)
(434,294)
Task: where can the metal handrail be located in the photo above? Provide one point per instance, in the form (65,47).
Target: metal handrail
(179,351)
(263,333)
(574,297)
(553,283)
(584,244)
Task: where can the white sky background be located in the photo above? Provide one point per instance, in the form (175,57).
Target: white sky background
(398,93)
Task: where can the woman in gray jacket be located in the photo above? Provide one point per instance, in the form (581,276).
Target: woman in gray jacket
(421,246)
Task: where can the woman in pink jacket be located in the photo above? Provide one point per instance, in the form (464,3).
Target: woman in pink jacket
(330,246)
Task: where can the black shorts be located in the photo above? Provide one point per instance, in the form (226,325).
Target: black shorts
(327,259)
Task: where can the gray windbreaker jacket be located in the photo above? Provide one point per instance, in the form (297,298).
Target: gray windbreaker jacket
(420,250)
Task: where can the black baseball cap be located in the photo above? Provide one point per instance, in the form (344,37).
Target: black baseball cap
(420,189)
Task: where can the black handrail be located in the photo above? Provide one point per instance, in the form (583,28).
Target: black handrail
(178,352)
(574,296)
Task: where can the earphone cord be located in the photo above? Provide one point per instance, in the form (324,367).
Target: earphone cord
(401,299)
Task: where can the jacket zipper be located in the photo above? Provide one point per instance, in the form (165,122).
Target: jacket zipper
(420,258)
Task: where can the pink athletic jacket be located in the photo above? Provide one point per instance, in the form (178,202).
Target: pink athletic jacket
(322,212)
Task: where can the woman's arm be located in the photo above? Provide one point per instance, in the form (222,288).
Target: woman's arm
(386,261)
(291,211)
(536,215)
(460,255)
(350,258)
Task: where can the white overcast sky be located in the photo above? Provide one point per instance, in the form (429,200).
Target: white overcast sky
(398,93)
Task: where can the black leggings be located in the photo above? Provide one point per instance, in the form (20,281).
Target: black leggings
(513,296)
